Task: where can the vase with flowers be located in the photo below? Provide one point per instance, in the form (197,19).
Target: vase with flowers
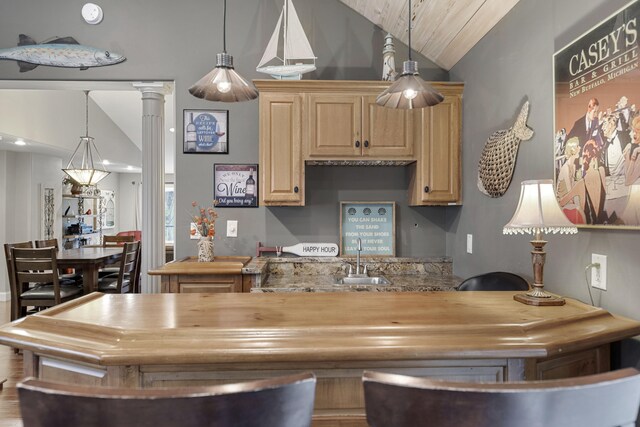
(204,220)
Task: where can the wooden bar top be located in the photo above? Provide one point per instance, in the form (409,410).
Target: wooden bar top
(191,266)
(244,328)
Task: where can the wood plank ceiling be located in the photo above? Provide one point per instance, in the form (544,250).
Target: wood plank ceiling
(442,30)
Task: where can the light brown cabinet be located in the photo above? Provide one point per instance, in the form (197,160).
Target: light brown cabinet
(281,170)
(435,177)
(187,275)
(333,120)
(349,126)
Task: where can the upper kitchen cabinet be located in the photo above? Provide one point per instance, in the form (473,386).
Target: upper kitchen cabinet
(348,125)
(281,169)
(435,178)
(318,121)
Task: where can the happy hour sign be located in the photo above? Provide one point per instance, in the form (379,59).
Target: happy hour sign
(371,222)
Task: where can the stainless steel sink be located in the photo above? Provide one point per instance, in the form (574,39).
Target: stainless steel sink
(366,280)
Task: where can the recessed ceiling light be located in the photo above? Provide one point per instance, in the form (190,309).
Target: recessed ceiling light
(106,162)
(172,130)
(20,142)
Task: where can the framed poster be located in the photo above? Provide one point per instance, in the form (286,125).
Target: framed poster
(374,223)
(235,185)
(206,131)
(597,124)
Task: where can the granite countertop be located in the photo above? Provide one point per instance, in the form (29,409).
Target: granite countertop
(399,283)
(317,274)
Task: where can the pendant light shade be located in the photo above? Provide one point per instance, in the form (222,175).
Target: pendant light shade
(223,83)
(409,90)
(81,167)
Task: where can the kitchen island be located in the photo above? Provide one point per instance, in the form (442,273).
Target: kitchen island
(187,339)
(187,275)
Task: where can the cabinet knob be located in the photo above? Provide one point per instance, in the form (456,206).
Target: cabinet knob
(357,144)
(426,189)
(296,189)
(366,143)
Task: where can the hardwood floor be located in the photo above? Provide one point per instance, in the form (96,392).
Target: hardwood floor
(10,368)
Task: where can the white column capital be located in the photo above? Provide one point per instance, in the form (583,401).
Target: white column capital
(161,88)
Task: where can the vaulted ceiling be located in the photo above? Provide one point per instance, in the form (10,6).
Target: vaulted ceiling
(442,30)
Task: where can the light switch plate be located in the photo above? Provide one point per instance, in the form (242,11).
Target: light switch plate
(469,243)
(232,228)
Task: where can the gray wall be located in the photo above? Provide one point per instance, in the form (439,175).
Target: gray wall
(169,40)
(511,63)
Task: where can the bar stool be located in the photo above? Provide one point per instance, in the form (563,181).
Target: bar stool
(275,402)
(602,400)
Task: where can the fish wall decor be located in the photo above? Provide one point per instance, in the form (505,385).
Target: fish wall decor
(58,52)
(498,158)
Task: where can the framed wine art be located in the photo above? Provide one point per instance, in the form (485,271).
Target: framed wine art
(235,185)
(206,131)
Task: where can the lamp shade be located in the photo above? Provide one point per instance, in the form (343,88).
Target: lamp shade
(223,83)
(409,91)
(538,211)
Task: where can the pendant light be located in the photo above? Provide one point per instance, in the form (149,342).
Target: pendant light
(223,83)
(409,90)
(86,173)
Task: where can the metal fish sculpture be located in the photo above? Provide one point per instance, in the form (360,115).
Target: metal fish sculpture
(499,156)
(59,52)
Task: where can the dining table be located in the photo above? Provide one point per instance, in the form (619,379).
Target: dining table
(89,260)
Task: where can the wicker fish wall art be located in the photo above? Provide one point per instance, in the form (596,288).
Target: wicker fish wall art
(498,158)
(58,52)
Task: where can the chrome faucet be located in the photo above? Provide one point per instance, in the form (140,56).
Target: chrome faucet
(359,248)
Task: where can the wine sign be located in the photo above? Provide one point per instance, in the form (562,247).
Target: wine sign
(206,131)
(371,222)
(235,185)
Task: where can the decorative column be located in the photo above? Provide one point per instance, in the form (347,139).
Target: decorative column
(152,181)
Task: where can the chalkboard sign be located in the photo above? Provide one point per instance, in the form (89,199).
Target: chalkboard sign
(373,223)
(206,131)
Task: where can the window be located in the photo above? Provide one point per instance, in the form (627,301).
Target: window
(169,213)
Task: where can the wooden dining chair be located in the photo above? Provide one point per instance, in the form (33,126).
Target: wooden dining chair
(113,241)
(602,400)
(65,278)
(13,287)
(37,279)
(276,402)
(108,241)
(124,280)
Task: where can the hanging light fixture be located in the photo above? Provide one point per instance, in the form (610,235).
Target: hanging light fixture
(86,173)
(223,83)
(409,90)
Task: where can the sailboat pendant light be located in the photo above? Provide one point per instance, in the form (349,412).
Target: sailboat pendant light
(223,83)
(86,173)
(295,45)
(409,90)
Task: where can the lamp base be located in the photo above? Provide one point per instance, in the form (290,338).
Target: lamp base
(531,300)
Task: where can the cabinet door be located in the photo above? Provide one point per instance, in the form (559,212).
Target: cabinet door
(334,125)
(281,171)
(205,283)
(387,132)
(438,166)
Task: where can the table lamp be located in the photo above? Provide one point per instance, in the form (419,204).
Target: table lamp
(538,212)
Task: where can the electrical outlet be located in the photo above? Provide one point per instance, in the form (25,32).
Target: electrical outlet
(469,243)
(599,274)
(232,228)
